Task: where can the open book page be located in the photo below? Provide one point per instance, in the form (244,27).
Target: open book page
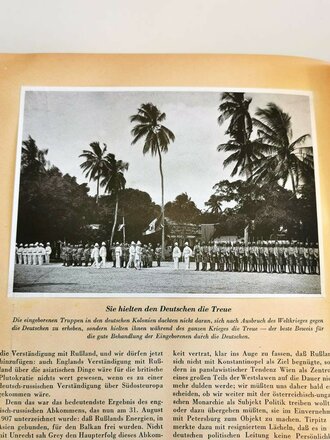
(164,224)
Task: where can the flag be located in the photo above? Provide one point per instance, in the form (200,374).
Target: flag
(120,227)
(153,227)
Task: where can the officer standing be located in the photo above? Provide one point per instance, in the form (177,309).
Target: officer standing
(176,254)
(138,254)
(187,254)
(96,255)
(103,254)
(48,250)
(118,255)
(131,251)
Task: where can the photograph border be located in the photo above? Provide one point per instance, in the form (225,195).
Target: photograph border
(32,295)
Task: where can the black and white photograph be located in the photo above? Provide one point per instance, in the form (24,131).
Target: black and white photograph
(165,192)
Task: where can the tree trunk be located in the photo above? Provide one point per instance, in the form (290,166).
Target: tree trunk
(114,220)
(97,188)
(293,183)
(163,211)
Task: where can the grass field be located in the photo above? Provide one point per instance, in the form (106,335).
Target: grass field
(55,278)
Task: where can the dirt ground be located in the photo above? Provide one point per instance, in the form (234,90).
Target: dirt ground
(55,278)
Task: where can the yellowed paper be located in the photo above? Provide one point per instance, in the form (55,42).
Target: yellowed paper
(124,367)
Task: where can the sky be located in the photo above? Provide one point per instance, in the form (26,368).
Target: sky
(66,122)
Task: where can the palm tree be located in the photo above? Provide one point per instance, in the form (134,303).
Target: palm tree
(157,138)
(242,155)
(235,106)
(33,159)
(113,182)
(214,204)
(94,164)
(283,158)
(243,151)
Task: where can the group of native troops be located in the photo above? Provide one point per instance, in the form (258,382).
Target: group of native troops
(270,257)
(123,255)
(266,257)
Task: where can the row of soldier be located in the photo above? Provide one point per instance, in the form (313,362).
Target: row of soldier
(33,254)
(270,257)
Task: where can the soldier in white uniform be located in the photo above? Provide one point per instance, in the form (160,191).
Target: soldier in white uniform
(96,255)
(25,253)
(48,250)
(187,253)
(131,251)
(20,254)
(103,254)
(35,251)
(30,254)
(118,254)
(176,254)
(41,254)
(138,254)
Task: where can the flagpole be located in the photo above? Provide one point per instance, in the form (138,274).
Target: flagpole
(124,232)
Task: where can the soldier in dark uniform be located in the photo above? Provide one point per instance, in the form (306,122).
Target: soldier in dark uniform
(144,256)
(244,257)
(79,255)
(281,259)
(113,254)
(205,257)
(253,257)
(228,257)
(158,254)
(301,261)
(74,254)
(69,255)
(63,254)
(125,255)
(86,255)
(272,259)
(197,251)
(211,256)
(312,259)
(150,255)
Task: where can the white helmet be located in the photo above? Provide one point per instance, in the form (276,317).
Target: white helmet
(186,243)
(133,242)
(103,243)
(139,242)
(175,244)
(96,245)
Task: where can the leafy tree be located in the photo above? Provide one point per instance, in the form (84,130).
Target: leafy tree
(55,208)
(33,160)
(183,209)
(136,207)
(94,164)
(157,137)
